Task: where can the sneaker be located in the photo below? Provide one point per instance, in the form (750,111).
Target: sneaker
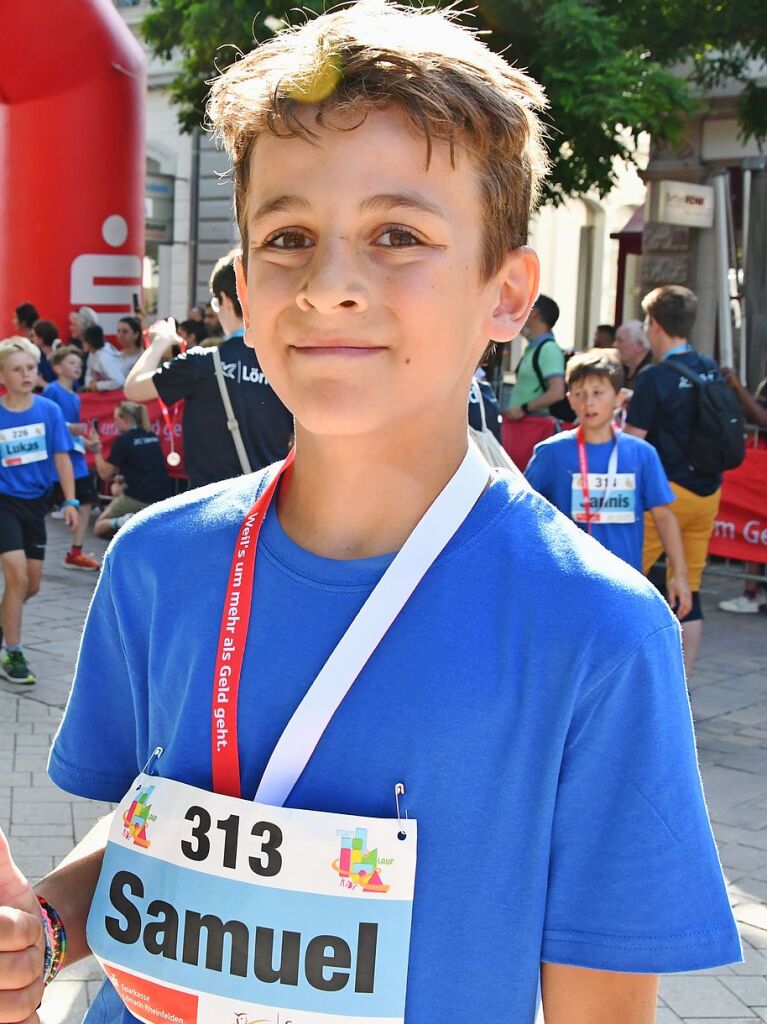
(57,513)
(743,605)
(81,561)
(14,667)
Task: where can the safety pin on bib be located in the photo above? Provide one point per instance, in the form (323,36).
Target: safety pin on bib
(399,790)
(154,756)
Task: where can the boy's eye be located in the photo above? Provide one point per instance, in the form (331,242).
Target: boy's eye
(395,237)
(289,238)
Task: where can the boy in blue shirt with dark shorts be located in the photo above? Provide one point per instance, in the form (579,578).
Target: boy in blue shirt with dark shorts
(385,163)
(33,439)
(605,480)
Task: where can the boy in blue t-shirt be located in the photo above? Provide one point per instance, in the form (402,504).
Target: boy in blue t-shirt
(527,704)
(605,480)
(67,364)
(33,440)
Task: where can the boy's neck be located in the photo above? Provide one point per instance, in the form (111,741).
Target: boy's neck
(17,401)
(598,435)
(66,383)
(356,498)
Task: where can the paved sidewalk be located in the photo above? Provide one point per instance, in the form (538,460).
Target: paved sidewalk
(729,697)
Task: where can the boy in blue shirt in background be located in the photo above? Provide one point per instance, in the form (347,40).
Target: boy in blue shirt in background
(33,439)
(67,365)
(605,480)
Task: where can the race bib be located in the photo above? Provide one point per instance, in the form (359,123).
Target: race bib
(217,910)
(20,445)
(616,504)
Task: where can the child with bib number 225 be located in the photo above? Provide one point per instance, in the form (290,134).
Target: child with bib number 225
(333,805)
(605,480)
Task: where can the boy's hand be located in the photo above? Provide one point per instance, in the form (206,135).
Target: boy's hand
(679,591)
(71,517)
(515,412)
(22,945)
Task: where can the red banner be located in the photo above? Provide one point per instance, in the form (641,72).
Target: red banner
(741,525)
(100,406)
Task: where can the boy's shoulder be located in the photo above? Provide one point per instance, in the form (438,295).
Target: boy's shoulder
(194,519)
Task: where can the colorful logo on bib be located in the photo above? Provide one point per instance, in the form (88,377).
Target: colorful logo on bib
(358,866)
(136,819)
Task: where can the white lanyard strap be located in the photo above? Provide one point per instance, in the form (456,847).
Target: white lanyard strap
(312,716)
(612,470)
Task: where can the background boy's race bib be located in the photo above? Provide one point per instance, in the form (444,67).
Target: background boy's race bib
(615,504)
(217,910)
(19,445)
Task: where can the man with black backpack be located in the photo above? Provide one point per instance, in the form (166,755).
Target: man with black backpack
(684,408)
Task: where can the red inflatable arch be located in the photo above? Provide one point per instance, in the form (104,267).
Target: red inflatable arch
(72,96)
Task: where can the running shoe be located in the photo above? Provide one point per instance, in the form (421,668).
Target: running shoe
(744,605)
(14,667)
(81,561)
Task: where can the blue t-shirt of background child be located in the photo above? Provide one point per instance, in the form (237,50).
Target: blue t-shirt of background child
(69,403)
(551,767)
(28,442)
(641,484)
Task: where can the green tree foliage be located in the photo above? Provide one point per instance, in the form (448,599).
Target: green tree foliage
(611,68)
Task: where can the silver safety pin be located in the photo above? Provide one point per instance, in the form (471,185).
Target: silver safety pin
(399,790)
(156,753)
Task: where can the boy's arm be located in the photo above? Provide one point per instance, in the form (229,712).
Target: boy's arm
(671,539)
(67,481)
(69,890)
(139,386)
(573,995)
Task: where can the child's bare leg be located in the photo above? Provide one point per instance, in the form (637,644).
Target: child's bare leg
(17,582)
(103,526)
(79,535)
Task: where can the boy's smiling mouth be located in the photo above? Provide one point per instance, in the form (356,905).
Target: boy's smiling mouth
(349,348)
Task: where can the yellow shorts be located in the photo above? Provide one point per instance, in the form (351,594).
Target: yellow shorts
(695,515)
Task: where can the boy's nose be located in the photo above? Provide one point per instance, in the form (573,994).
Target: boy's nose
(333,280)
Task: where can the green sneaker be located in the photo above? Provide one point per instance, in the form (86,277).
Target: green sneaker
(14,667)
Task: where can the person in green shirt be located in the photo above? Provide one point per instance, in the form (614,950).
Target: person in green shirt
(542,363)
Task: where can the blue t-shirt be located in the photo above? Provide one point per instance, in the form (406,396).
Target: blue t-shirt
(641,484)
(551,768)
(28,442)
(69,403)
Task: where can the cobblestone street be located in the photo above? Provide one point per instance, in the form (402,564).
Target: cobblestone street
(729,698)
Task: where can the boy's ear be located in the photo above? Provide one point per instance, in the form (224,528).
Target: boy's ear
(242,290)
(518,282)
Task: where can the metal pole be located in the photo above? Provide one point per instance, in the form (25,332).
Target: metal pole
(722,271)
(194,218)
(743,355)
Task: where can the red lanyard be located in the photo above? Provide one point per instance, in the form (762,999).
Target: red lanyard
(583,459)
(172,458)
(231,643)
(612,469)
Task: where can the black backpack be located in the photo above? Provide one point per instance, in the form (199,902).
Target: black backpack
(718,432)
(562,409)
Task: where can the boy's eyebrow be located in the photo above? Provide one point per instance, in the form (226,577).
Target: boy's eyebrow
(409,200)
(379,203)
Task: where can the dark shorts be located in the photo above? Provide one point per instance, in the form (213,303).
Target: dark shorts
(85,492)
(22,525)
